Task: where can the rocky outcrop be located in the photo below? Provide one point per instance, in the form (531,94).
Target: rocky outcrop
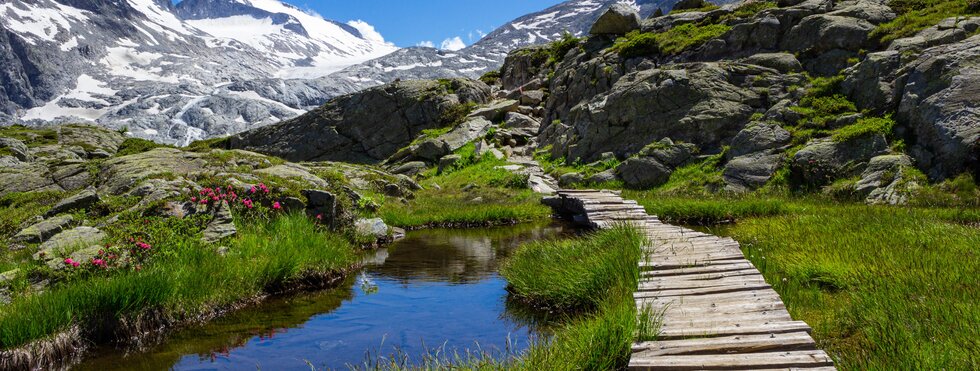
(369,126)
(705,104)
(755,155)
(873,83)
(120,174)
(886,180)
(82,200)
(72,239)
(939,106)
(619,19)
(825,160)
(43,230)
(221,226)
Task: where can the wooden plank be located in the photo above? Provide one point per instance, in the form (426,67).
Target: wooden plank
(674,320)
(726,344)
(646,277)
(799,358)
(702,291)
(692,284)
(729,330)
(718,268)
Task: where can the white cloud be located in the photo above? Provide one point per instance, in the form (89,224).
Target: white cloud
(453,44)
(427,44)
(366,30)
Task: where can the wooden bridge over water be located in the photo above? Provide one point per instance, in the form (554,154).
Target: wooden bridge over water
(718,311)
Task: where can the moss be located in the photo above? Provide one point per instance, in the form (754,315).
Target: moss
(209,144)
(916,15)
(865,126)
(491,77)
(132,146)
(636,44)
(749,9)
(30,136)
(456,114)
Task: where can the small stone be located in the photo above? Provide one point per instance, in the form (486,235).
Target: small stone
(410,168)
(447,162)
(372,227)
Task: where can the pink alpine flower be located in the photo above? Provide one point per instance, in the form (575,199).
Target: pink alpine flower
(193,199)
(99,263)
(276,206)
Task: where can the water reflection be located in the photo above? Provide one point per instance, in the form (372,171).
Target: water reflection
(434,289)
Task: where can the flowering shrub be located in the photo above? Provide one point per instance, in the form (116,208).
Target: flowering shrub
(252,201)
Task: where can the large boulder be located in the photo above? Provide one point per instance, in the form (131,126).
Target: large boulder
(468,131)
(701,103)
(619,19)
(92,139)
(82,200)
(782,62)
(759,137)
(119,175)
(871,84)
(367,126)
(827,41)
(44,230)
(886,180)
(873,11)
(17,148)
(431,150)
(296,173)
(496,111)
(824,160)
(523,66)
(749,172)
(17,176)
(643,172)
(66,241)
(939,105)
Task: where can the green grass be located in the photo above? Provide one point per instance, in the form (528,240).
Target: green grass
(597,273)
(916,15)
(569,275)
(17,208)
(865,126)
(188,279)
(669,42)
(700,210)
(31,137)
(474,193)
(883,287)
(752,8)
(706,8)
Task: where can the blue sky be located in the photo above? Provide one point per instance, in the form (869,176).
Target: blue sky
(410,22)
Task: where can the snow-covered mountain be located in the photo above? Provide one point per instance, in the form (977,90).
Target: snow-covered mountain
(305,45)
(204,68)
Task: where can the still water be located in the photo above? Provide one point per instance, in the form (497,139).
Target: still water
(435,290)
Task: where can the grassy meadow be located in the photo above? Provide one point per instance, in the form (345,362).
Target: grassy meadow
(186,279)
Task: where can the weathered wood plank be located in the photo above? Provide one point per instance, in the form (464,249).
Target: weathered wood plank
(726,344)
(729,330)
(801,358)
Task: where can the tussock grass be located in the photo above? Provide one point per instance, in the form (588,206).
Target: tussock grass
(670,42)
(693,210)
(566,275)
(188,280)
(474,193)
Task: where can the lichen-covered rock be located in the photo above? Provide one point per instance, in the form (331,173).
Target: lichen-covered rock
(431,150)
(885,180)
(702,103)
(749,172)
(368,126)
(782,62)
(532,97)
(871,84)
(44,230)
(570,179)
(375,228)
(72,177)
(618,19)
(16,176)
(948,31)
(643,172)
(468,131)
(295,172)
(410,168)
(90,138)
(76,238)
(18,148)
(119,175)
(939,105)
(825,160)
(321,205)
(521,121)
(82,200)
(496,110)
(447,162)
(758,137)
(873,11)
(221,226)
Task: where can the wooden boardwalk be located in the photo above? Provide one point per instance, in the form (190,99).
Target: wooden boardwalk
(718,311)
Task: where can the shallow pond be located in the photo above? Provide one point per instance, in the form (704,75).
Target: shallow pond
(435,290)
